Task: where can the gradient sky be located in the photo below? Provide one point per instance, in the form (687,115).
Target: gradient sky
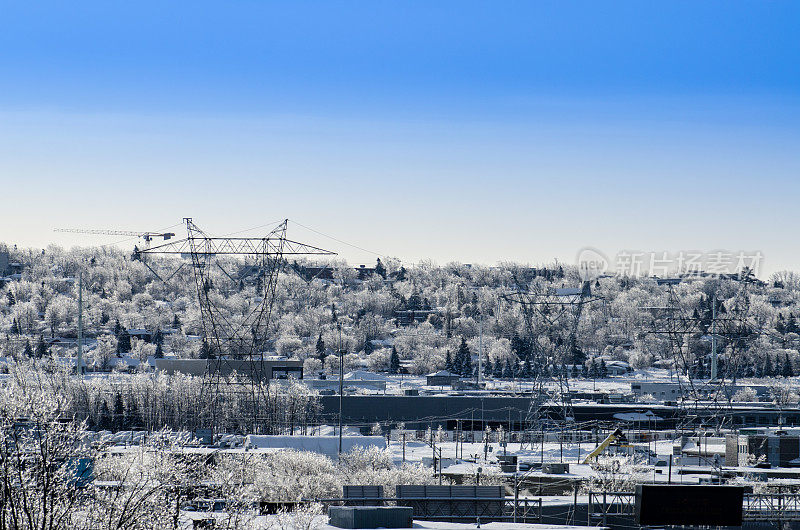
(453,131)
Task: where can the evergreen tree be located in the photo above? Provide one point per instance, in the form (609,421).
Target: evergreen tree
(117,328)
(368,347)
(578,356)
(394,362)
(780,325)
(320,348)
(28,349)
(104,417)
(10,297)
(791,324)
(518,346)
(527,370)
(41,347)
(757,370)
(448,362)
(465,358)
(119,412)
(176,322)
(786,369)
(766,369)
(401,274)
(133,419)
(603,369)
(205,350)
(414,301)
(498,369)
(380,270)
(123,341)
(15,327)
(159,354)
(508,371)
(487,367)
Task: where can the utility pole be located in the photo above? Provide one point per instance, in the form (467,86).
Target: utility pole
(79,357)
(714,338)
(480,351)
(341,386)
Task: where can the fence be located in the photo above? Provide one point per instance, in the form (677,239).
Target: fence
(755,506)
(454,509)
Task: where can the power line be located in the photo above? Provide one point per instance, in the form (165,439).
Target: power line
(379,254)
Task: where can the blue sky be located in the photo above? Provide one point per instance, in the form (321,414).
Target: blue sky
(468,131)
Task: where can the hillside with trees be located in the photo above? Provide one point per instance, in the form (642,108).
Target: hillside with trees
(420,318)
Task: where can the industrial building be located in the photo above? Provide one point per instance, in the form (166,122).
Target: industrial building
(773,447)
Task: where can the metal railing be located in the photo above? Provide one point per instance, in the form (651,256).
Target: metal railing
(755,506)
(771,507)
(452,509)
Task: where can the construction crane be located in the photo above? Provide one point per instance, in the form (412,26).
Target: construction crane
(616,437)
(146,236)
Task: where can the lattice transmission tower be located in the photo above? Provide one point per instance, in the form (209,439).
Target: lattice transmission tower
(552,308)
(234,344)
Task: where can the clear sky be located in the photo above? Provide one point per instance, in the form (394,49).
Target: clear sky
(453,131)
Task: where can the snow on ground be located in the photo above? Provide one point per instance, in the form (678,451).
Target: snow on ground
(320,522)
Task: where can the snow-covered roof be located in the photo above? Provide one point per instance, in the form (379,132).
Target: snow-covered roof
(443,373)
(326,445)
(637,416)
(363,375)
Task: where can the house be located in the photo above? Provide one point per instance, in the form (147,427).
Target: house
(408,317)
(441,378)
(618,367)
(141,334)
(377,344)
(776,447)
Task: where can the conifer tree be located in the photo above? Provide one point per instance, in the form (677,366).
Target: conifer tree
(123,341)
(766,369)
(320,348)
(394,362)
(508,371)
(465,358)
(41,347)
(104,417)
(380,270)
(786,369)
(119,412)
(205,350)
